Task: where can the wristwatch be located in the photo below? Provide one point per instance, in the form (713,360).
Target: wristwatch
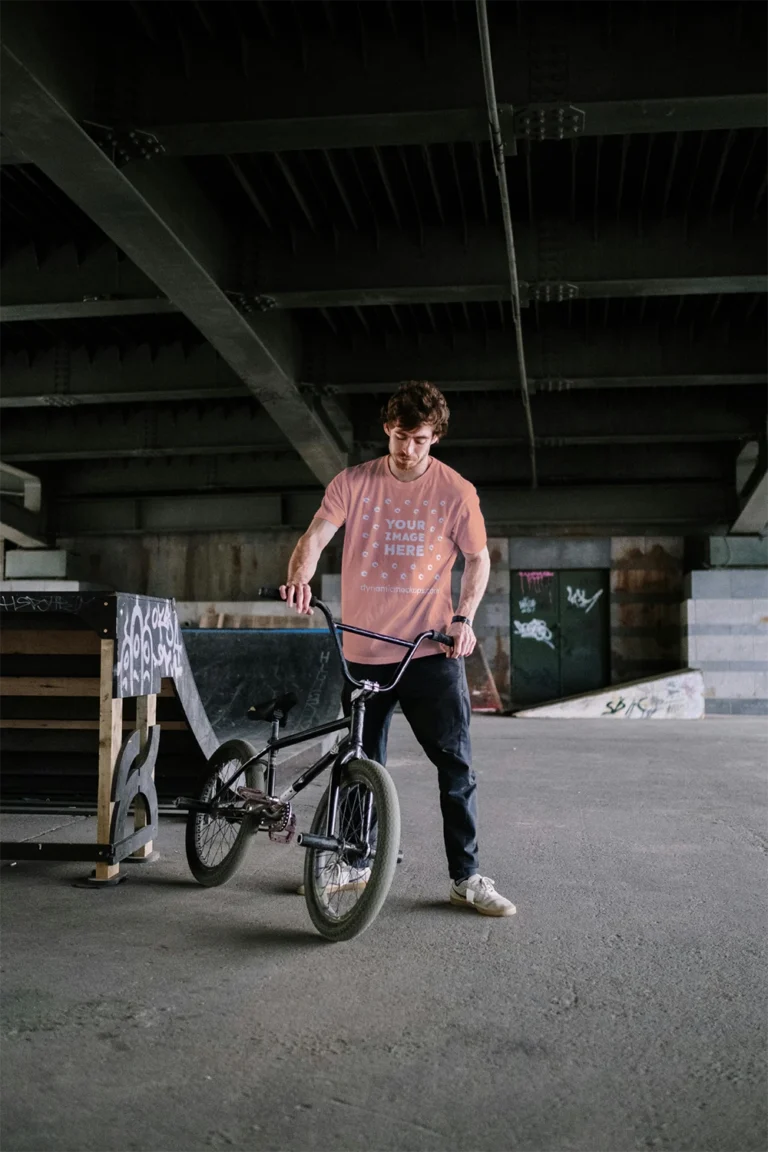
(461,620)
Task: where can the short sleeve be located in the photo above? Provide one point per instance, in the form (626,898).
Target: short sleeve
(334,505)
(469,533)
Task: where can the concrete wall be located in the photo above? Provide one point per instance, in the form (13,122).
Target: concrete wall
(492,619)
(215,569)
(199,566)
(646,590)
(725,635)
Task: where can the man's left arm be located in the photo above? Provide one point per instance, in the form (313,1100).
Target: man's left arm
(474,581)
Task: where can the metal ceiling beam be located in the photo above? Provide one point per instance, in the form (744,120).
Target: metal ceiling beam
(716,415)
(198,103)
(752,519)
(557,357)
(63,433)
(555,262)
(271,470)
(21,519)
(66,377)
(458,125)
(71,285)
(86,309)
(579,383)
(574,509)
(21,526)
(560,361)
(651,509)
(593,418)
(346,271)
(276,471)
(159,218)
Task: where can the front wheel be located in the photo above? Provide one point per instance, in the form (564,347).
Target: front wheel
(216,844)
(345,894)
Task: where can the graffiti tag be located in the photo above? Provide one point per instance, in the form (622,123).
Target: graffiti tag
(643,707)
(534,581)
(527,605)
(534,630)
(578,598)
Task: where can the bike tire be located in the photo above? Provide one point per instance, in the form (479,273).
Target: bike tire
(360,917)
(201,829)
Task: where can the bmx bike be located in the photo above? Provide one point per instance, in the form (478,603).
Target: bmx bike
(354,839)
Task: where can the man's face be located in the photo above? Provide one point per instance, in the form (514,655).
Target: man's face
(409,447)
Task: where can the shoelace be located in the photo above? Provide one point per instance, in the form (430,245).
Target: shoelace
(487,885)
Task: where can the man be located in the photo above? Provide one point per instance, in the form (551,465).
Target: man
(407,516)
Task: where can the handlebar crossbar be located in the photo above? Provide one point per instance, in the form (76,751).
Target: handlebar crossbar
(335,627)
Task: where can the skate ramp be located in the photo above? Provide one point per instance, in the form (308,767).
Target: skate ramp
(676,696)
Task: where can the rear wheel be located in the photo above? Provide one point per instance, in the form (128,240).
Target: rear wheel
(345,893)
(216,844)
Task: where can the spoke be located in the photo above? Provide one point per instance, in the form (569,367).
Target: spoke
(330,867)
(216,835)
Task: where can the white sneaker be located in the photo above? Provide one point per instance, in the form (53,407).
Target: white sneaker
(344,878)
(479,893)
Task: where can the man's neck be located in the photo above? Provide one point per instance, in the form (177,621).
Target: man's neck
(409,475)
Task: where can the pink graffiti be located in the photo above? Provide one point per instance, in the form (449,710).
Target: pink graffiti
(534,581)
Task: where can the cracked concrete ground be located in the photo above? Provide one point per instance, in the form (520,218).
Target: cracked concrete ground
(622,1008)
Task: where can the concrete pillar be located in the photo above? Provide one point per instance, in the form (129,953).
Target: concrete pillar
(646,590)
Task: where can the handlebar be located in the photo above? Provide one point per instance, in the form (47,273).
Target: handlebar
(334,627)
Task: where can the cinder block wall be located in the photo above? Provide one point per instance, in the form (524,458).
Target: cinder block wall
(725,635)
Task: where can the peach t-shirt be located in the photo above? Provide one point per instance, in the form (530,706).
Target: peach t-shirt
(401,542)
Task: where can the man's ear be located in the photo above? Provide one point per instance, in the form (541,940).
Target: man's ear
(387,430)
(435,440)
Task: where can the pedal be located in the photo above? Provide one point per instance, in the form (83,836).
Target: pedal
(286,834)
(251,794)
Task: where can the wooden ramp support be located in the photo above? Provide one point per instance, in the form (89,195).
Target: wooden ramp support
(134,644)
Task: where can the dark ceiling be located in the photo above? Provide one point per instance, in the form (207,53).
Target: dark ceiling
(230,229)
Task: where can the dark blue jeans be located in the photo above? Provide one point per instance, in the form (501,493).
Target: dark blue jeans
(434,697)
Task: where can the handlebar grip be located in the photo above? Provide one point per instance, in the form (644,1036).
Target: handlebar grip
(441,638)
(268,593)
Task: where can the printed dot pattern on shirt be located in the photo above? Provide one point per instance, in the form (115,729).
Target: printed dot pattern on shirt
(404,533)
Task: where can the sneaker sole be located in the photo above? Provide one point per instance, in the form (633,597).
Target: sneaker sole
(332,890)
(459,902)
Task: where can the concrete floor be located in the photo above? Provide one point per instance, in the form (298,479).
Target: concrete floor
(622,1008)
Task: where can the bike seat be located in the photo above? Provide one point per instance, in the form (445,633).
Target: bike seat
(267,710)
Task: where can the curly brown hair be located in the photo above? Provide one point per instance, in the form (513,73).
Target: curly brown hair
(417,402)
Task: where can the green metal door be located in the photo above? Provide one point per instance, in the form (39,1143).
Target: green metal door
(560,634)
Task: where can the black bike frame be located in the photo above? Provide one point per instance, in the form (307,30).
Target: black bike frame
(352,747)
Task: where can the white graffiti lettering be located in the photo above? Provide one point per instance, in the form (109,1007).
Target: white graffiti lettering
(578,598)
(534,630)
(527,605)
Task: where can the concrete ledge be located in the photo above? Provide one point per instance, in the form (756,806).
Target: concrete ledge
(676,696)
(736,706)
(727,584)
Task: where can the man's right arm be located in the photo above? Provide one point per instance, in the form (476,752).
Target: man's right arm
(303,564)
